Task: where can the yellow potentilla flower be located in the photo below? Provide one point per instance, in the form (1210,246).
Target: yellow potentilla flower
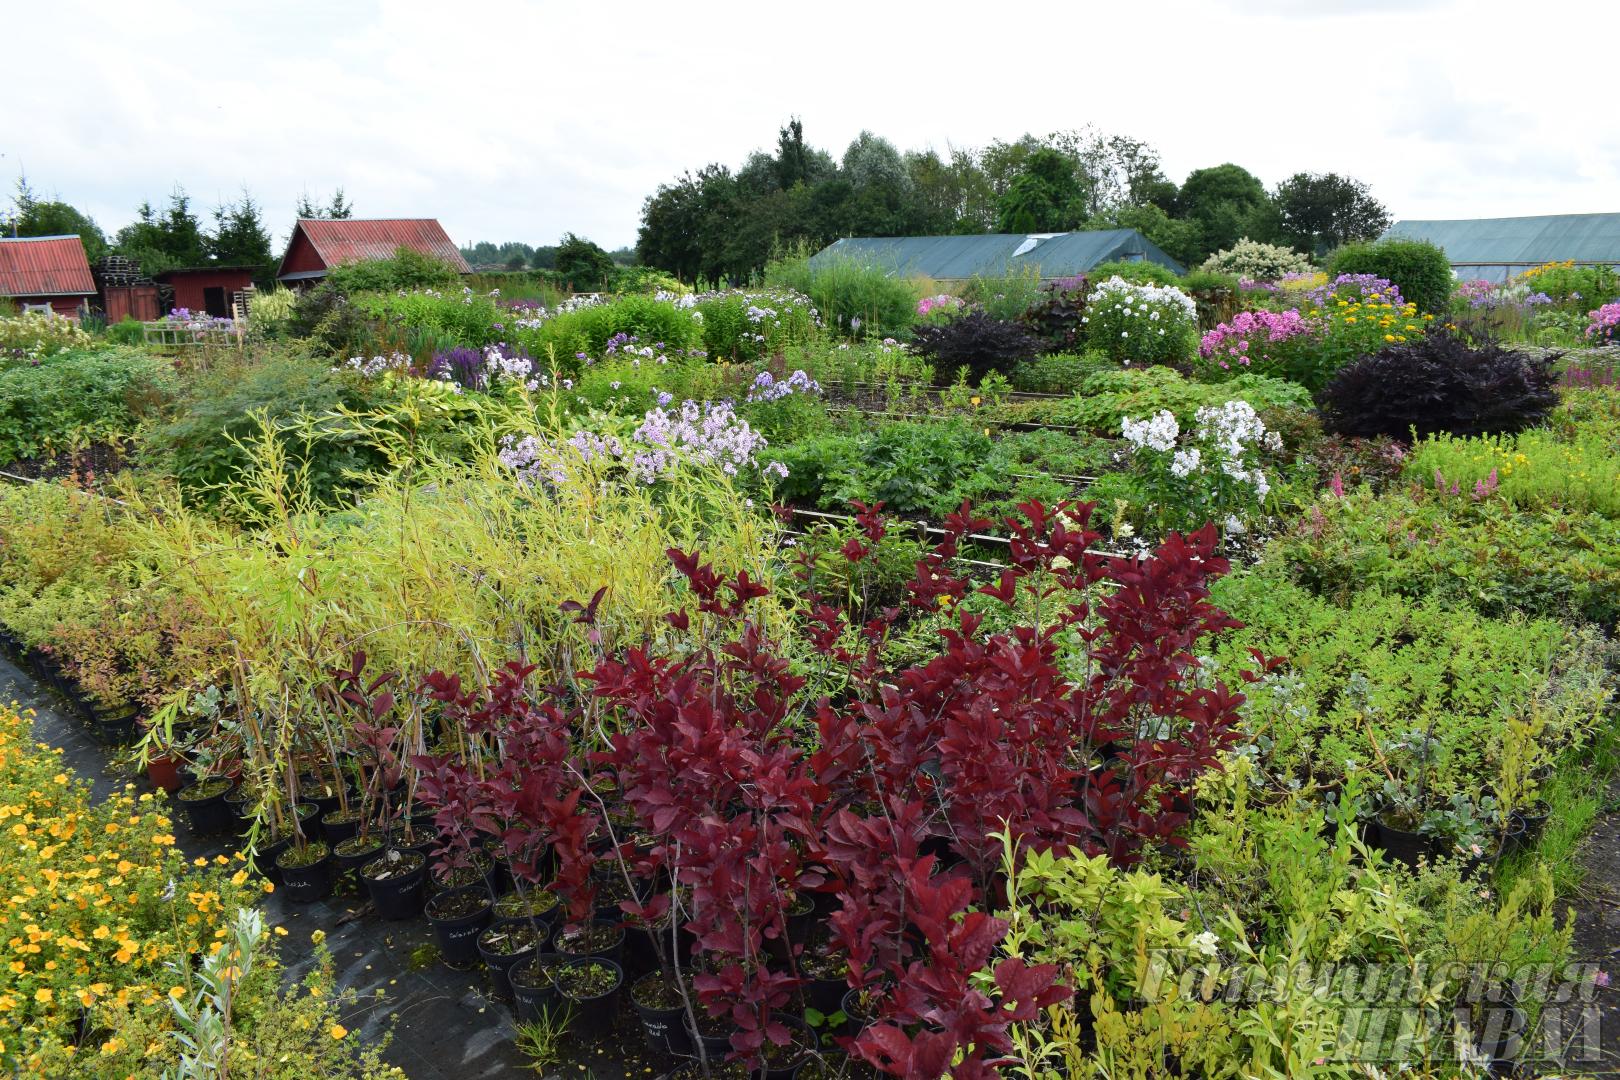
(239,878)
(1349,318)
(281,931)
(43,995)
(177,992)
(269,886)
(112,1046)
(1389,337)
(318,936)
(338,1031)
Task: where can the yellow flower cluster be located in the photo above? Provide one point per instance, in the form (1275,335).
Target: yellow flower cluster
(94,898)
(1536,271)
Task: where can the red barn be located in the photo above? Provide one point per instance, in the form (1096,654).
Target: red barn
(207,288)
(318,244)
(46,271)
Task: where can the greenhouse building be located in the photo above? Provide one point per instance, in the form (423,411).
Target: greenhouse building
(960,258)
(1497,249)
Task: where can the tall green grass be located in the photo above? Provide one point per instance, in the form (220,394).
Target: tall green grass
(854,298)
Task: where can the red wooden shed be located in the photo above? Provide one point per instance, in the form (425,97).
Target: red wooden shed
(207,288)
(46,270)
(318,244)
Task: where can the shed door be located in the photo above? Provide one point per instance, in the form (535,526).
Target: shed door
(214,301)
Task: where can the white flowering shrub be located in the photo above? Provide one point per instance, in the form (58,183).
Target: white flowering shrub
(1141,324)
(1211,473)
(1257,262)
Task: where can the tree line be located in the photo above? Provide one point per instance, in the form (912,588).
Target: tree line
(718,224)
(172,236)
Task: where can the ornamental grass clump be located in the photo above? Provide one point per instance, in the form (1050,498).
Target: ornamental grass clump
(1141,324)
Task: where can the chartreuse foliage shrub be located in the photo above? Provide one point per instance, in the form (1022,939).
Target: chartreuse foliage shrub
(76,397)
(99,901)
(452,315)
(930,469)
(1534,469)
(1367,670)
(1174,980)
(1418,268)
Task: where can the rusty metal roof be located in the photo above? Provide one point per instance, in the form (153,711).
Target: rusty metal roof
(44,266)
(339,241)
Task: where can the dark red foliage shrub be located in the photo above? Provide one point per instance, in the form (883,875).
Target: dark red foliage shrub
(901,798)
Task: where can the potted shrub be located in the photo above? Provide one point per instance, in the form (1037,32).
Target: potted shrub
(395,880)
(597,939)
(457,917)
(204,803)
(534,987)
(351,853)
(506,944)
(306,870)
(658,1003)
(591,987)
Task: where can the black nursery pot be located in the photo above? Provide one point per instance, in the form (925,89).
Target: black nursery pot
(205,806)
(338,831)
(357,855)
(1533,824)
(395,880)
(458,916)
(264,860)
(533,992)
(1402,845)
(308,883)
(603,941)
(1514,837)
(117,727)
(500,964)
(594,1009)
(663,1024)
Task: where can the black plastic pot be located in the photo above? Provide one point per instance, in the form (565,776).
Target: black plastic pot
(338,831)
(398,895)
(237,799)
(499,963)
(1514,837)
(305,884)
(595,1013)
(1402,845)
(858,1020)
(116,727)
(663,1027)
(458,934)
(532,988)
(613,951)
(264,860)
(351,862)
(207,815)
(1533,824)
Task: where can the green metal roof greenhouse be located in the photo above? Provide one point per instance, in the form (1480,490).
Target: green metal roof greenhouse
(1496,249)
(958,258)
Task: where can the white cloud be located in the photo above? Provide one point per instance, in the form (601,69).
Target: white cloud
(518,120)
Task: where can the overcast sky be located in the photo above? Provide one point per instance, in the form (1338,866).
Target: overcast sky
(518,121)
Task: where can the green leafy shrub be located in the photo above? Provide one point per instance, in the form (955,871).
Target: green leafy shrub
(1418,268)
(1362,673)
(854,298)
(1107,398)
(1438,383)
(753,324)
(1482,554)
(128,331)
(1579,288)
(911,468)
(1059,373)
(407,269)
(1005,296)
(1137,273)
(202,447)
(452,318)
(80,396)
